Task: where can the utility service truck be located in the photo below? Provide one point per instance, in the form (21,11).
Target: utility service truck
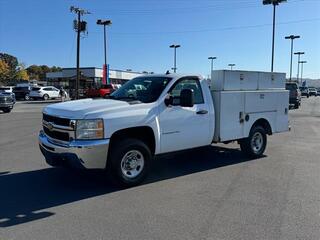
(156,114)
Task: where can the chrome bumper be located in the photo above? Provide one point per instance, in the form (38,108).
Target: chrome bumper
(87,154)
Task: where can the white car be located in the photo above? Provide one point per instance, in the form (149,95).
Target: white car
(44,92)
(8,89)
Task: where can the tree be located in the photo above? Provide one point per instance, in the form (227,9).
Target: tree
(4,72)
(11,61)
(34,72)
(39,72)
(22,75)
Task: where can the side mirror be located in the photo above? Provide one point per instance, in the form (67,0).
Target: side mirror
(168,100)
(187,98)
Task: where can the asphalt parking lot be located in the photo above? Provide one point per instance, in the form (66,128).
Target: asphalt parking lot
(210,193)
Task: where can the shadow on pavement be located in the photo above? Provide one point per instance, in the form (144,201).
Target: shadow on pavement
(25,195)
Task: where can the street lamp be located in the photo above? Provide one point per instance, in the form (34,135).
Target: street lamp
(274,3)
(212,58)
(291,37)
(298,53)
(302,62)
(104,23)
(175,56)
(231,65)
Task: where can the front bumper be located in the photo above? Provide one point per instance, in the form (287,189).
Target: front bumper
(6,105)
(85,154)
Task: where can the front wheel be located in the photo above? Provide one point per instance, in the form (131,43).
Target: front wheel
(254,145)
(27,97)
(129,162)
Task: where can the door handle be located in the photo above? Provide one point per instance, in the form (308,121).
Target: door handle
(202,111)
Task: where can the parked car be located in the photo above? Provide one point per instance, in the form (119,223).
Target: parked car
(294,94)
(312,91)
(304,91)
(318,91)
(8,89)
(103,91)
(44,93)
(7,100)
(169,113)
(22,92)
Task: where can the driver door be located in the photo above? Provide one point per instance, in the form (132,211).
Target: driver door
(184,127)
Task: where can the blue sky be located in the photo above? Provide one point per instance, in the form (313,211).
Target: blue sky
(235,31)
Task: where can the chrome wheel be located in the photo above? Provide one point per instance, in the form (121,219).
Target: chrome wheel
(257,142)
(132,164)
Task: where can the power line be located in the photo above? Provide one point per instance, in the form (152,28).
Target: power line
(218,29)
(223,5)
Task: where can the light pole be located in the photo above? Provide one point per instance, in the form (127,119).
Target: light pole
(104,23)
(79,26)
(174,56)
(231,65)
(298,53)
(302,62)
(291,37)
(212,58)
(274,3)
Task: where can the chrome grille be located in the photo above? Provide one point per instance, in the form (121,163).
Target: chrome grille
(58,128)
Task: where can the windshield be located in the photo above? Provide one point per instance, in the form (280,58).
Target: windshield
(143,89)
(4,88)
(291,86)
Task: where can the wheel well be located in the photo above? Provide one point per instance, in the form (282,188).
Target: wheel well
(265,124)
(144,134)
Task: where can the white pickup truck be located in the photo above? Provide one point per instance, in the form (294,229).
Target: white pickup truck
(155,114)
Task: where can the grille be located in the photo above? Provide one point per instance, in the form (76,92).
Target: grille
(57,120)
(3,100)
(63,136)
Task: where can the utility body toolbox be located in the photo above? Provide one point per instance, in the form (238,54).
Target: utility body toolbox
(241,98)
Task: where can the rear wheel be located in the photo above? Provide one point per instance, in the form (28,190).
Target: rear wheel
(45,97)
(254,145)
(296,105)
(27,97)
(129,162)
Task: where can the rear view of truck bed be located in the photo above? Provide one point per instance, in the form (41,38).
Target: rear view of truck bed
(241,98)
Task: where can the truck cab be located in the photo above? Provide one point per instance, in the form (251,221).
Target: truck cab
(156,114)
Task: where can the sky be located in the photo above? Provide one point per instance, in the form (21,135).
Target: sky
(235,31)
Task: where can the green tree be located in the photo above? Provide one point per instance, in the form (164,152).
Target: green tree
(34,72)
(39,72)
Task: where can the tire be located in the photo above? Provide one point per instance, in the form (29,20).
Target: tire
(45,97)
(296,105)
(26,97)
(119,160)
(6,110)
(254,145)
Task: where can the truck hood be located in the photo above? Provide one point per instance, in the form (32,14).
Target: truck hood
(81,109)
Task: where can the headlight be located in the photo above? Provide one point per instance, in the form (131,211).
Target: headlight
(89,129)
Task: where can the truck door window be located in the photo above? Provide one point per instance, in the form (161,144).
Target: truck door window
(193,84)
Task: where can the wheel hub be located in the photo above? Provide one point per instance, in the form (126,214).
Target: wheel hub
(257,142)
(132,163)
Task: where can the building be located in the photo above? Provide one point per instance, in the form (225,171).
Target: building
(90,77)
